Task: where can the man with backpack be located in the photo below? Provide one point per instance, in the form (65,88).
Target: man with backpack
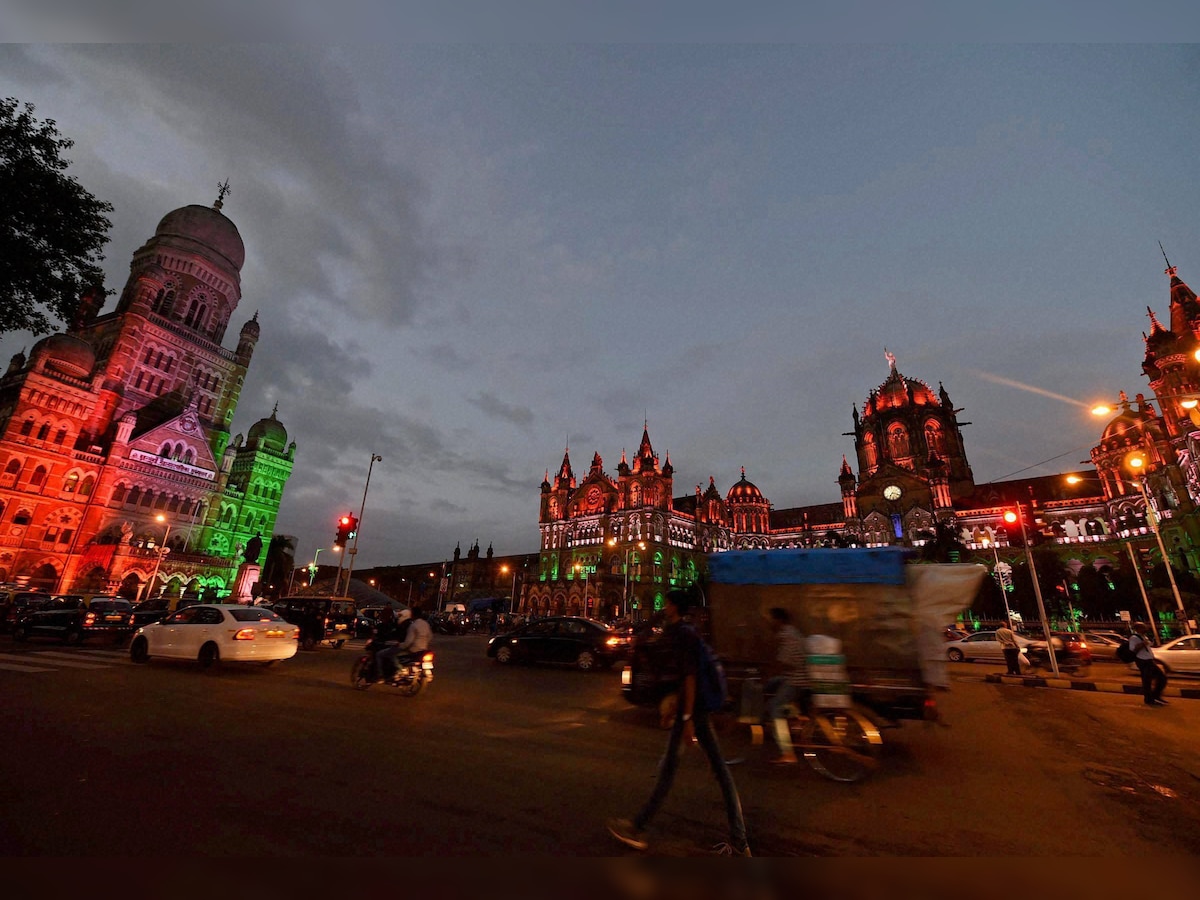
(1154,680)
(689,653)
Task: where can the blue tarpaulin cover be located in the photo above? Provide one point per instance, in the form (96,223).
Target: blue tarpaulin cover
(881,565)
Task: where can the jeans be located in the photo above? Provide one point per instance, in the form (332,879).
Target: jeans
(387,654)
(707,739)
(783,693)
(1012,656)
(1153,679)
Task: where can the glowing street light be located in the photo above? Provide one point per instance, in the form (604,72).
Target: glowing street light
(586,570)
(1137,463)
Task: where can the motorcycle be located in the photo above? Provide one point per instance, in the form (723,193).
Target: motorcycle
(409,678)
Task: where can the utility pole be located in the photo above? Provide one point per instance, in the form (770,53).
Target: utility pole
(375,457)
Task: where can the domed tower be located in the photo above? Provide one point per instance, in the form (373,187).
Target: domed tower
(259,470)
(247,340)
(905,425)
(1170,363)
(749,510)
(1135,429)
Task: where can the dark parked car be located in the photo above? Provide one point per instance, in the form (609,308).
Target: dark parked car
(321,619)
(14,604)
(71,620)
(150,611)
(572,640)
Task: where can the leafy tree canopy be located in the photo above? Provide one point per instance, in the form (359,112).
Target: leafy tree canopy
(52,231)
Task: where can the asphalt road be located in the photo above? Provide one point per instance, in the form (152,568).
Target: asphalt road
(102,757)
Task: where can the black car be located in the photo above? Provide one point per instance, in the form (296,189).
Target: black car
(321,619)
(571,640)
(14,604)
(150,611)
(71,620)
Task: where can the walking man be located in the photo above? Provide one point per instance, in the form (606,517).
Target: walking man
(690,718)
(1154,680)
(1012,650)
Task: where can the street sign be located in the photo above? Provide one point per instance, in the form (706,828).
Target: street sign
(1124,614)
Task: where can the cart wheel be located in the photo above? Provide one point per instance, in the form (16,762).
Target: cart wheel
(841,744)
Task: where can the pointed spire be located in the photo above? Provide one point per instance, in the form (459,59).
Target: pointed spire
(845,466)
(1155,325)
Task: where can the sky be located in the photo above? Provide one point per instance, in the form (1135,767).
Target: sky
(466,258)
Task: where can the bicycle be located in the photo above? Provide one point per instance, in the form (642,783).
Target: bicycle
(842,744)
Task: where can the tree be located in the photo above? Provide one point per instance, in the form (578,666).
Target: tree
(52,231)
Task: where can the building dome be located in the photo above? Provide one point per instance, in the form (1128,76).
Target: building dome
(745,492)
(899,391)
(209,228)
(67,354)
(268,433)
(1130,422)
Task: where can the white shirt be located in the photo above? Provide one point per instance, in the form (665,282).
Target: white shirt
(1140,647)
(418,637)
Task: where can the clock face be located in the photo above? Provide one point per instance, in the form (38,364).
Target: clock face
(892,492)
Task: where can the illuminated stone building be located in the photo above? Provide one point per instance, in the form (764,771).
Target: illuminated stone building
(115,435)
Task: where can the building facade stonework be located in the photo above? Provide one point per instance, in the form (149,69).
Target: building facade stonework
(116,463)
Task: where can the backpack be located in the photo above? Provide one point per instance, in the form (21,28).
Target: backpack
(712,687)
(1125,653)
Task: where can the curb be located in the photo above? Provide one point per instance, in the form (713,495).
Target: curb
(1105,687)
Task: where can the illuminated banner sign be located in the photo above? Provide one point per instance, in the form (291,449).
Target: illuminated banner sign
(173,464)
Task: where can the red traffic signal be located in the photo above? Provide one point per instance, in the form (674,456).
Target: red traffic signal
(346,530)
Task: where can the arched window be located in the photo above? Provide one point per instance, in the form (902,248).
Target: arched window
(147,498)
(135,496)
(149,355)
(935,438)
(165,451)
(635,494)
(71,482)
(61,436)
(38,478)
(169,300)
(119,495)
(870,450)
(897,440)
(43,431)
(85,489)
(27,428)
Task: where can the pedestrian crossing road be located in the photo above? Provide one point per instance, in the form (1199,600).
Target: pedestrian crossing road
(51,660)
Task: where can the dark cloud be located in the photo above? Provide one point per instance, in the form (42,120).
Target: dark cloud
(491,405)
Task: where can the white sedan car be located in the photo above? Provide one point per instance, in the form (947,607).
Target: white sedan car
(1180,655)
(981,645)
(213,632)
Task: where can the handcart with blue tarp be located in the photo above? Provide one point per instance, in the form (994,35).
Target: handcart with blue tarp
(873,618)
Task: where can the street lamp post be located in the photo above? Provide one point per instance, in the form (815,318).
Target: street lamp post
(586,570)
(1003,575)
(162,551)
(1137,462)
(1019,516)
(512,597)
(641,545)
(312,568)
(1137,571)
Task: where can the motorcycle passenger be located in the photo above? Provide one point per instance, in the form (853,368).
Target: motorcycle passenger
(391,629)
(419,636)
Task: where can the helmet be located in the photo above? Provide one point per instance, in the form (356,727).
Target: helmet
(404,615)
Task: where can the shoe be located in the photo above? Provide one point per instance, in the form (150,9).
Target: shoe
(784,761)
(1156,703)
(623,831)
(726,849)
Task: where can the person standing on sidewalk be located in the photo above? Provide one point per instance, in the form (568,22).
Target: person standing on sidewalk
(690,718)
(1007,639)
(1154,680)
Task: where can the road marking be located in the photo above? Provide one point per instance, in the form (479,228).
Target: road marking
(66,660)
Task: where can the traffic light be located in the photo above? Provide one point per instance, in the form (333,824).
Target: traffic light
(347,528)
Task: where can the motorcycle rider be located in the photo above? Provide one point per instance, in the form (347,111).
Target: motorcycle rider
(419,636)
(390,630)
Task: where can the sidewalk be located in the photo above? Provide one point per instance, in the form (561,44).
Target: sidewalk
(1191,691)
